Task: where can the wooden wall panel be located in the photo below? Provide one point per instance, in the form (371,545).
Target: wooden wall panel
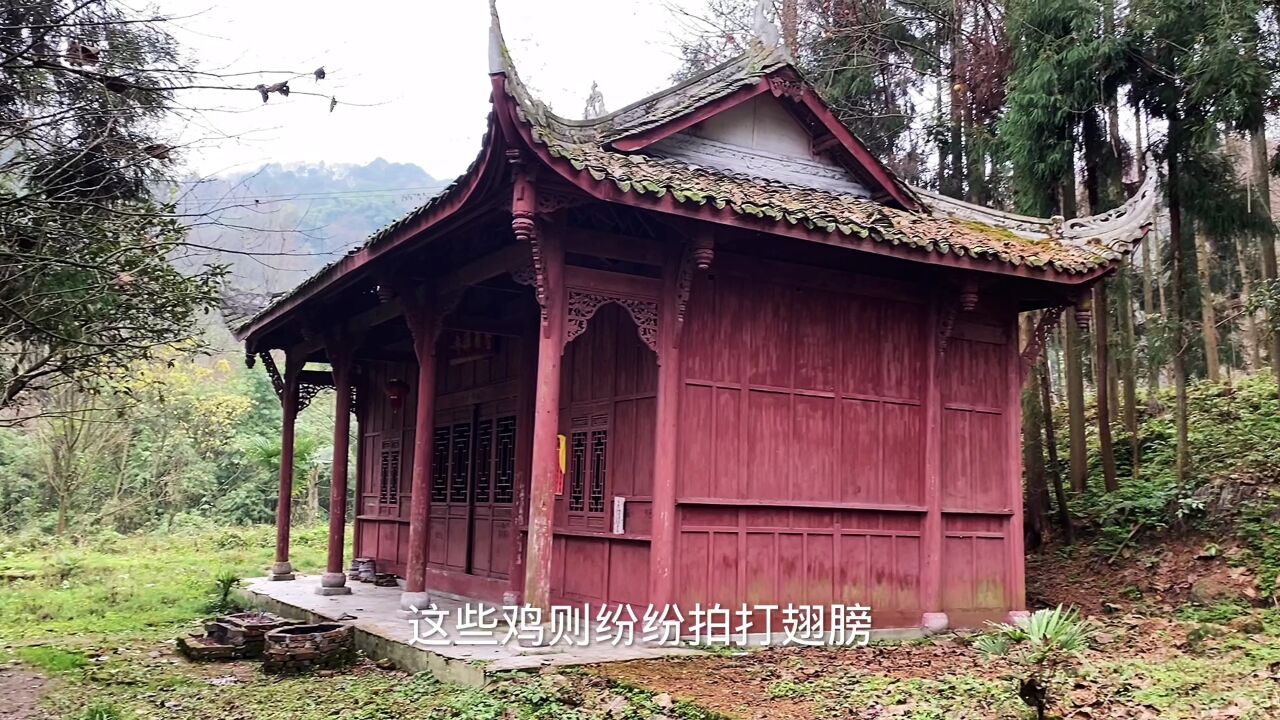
(382,527)
(975,443)
(796,394)
(975,568)
(734,555)
(600,571)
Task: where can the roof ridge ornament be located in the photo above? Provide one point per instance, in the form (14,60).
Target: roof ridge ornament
(595,103)
(497,45)
(765,31)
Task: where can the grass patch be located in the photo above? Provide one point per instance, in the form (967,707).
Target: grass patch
(143,583)
(51,659)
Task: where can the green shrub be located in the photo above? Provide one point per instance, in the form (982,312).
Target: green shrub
(1042,647)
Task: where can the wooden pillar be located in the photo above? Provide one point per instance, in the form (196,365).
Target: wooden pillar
(1016,542)
(941,318)
(282,569)
(334,580)
(519,505)
(423,321)
(662,544)
(546,426)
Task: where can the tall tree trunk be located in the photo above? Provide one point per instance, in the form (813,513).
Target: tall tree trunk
(1262,186)
(1150,250)
(1051,445)
(1128,361)
(1033,449)
(1208,319)
(1075,404)
(1183,464)
(1249,326)
(958,102)
(1101,319)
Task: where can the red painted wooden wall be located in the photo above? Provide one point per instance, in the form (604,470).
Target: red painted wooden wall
(386,459)
(609,382)
(803,445)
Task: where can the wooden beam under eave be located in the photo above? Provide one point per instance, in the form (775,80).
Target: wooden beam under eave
(504,260)
(612,246)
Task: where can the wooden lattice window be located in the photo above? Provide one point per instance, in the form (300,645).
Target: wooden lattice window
(460,473)
(440,465)
(504,476)
(577,470)
(389,473)
(484,461)
(588,469)
(599,454)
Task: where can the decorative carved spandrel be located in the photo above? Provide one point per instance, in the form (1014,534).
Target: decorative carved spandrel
(583,305)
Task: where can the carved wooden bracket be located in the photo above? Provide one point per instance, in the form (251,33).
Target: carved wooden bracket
(785,87)
(698,257)
(583,305)
(1049,320)
(946,323)
(273,372)
(524,225)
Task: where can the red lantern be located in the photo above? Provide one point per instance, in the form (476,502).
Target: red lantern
(396,392)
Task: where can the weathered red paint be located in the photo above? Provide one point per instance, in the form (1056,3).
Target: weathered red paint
(423,322)
(662,550)
(284,502)
(546,414)
(341,362)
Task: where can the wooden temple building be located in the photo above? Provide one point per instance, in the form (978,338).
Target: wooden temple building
(703,349)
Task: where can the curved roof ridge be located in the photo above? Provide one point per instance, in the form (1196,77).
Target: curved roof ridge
(1114,229)
(747,68)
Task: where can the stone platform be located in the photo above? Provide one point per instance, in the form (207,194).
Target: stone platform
(381,634)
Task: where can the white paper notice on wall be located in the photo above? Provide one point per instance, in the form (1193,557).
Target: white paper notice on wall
(619,512)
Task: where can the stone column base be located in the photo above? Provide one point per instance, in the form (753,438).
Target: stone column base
(1017,617)
(333,584)
(281,571)
(412,604)
(934,622)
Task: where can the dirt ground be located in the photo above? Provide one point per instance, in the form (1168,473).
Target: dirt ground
(742,686)
(20,691)
(1144,663)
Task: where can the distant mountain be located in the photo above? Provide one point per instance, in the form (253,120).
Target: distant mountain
(282,222)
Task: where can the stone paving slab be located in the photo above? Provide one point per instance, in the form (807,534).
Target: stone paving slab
(381,633)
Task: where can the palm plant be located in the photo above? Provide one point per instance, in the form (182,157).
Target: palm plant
(1044,645)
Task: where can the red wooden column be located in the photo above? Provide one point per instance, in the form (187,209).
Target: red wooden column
(1013,466)
(941,318)
(281,569)
(421,316)
(334,580)
(677,280)
(548,253)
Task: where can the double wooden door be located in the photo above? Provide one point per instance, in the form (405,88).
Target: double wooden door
(473,487)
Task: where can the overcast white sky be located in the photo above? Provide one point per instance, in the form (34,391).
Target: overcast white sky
(420,66)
